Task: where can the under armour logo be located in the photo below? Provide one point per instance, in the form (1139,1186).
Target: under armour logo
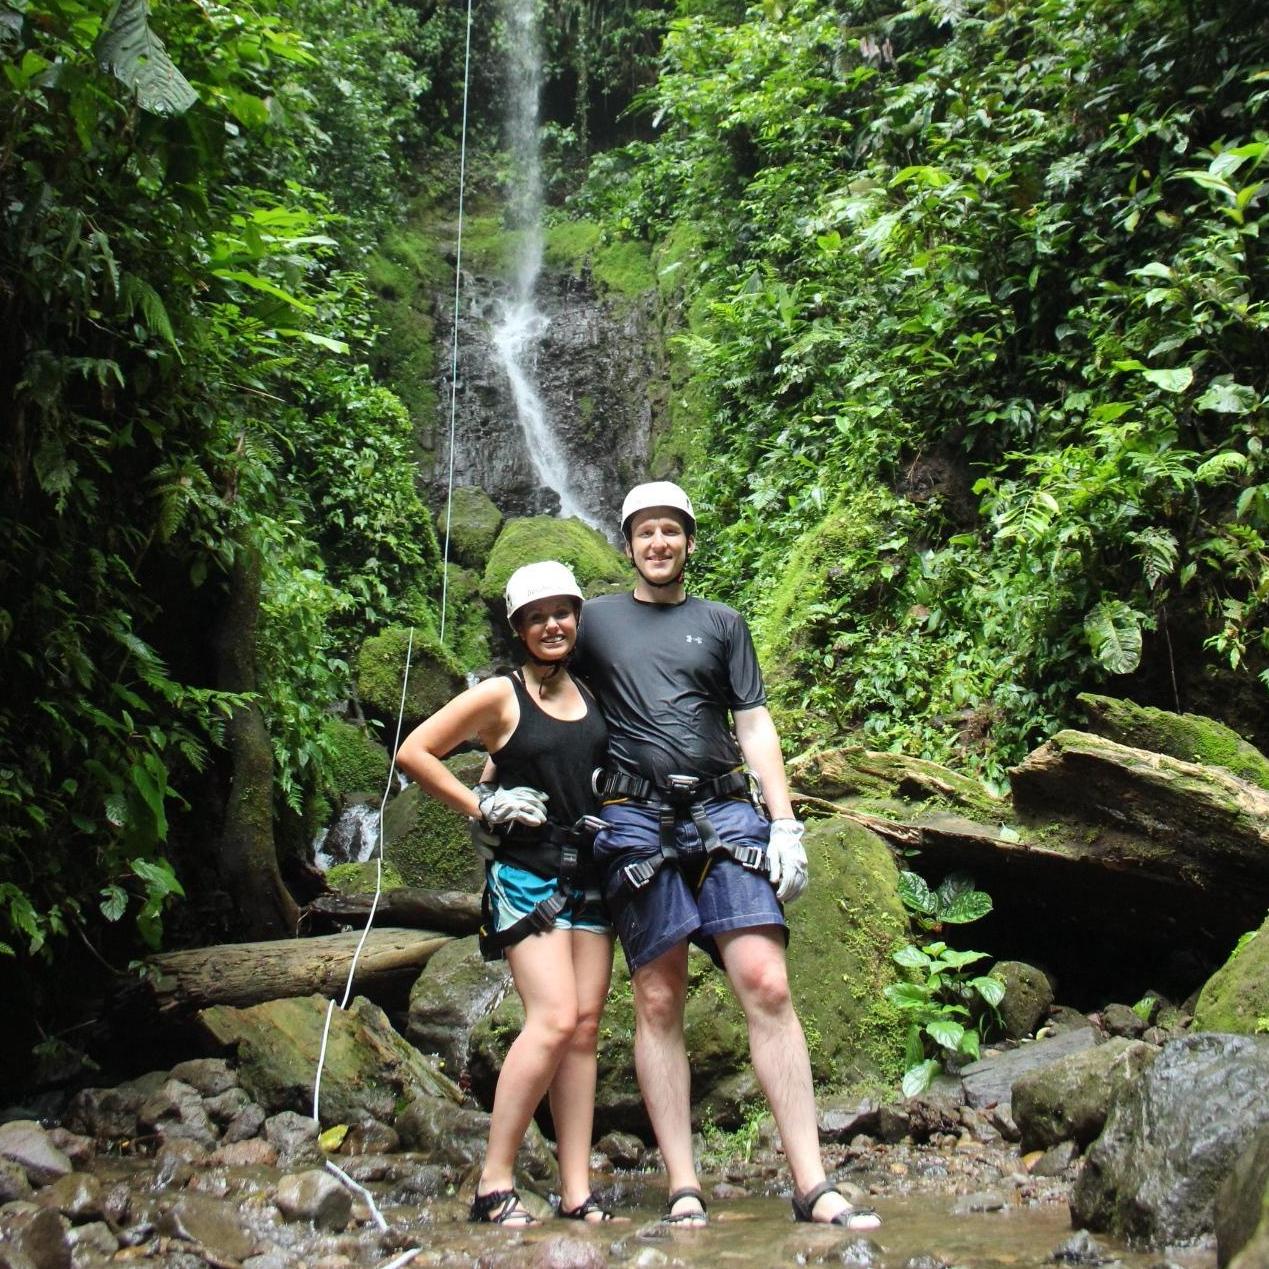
(695,639)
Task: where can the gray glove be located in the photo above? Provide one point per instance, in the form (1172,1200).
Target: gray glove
(521,805)
(786,859)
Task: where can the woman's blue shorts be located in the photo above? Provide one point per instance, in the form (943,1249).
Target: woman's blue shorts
(699,898)
(514,893)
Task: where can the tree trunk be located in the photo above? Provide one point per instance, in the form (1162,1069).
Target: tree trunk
(181,983)
(448,911)
(248,857)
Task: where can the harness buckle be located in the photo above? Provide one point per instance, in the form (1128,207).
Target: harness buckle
(752,857)
(681,788)
(639,873)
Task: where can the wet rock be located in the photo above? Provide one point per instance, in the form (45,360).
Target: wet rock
(314,1196)
(35,1237)
(77,1196)
(842,1118)
(1028,997)
(1068,1099)
(13,1182)
(622,1149)
(92,1239)
(1171,1137)
(563,1252)
(174,1161)
(1002,1120)
(990,1082)
(246,1124)
(456,989)
(1056,1160)
(893,1123)
(1242,1202)
(926,1260)
(294,1137)
(210,1076)
(110,1114)
(370,1137)
(252,1153)
(225,1107)
(1080,1249)
(210,1223)
(860,1252)
(1062,1018)
(981,1201)
(1122,1020)
(176,1112)
(80,1150)
(268,1260)
(26,1143)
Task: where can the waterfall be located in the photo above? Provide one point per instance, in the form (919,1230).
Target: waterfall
(518,334)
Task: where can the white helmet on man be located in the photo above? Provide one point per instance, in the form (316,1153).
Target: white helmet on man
(656,493)
(531,582)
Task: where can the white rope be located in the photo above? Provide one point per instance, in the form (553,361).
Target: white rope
(453,357)
(407,1256)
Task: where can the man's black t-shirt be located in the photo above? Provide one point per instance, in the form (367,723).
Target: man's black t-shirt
(667,676)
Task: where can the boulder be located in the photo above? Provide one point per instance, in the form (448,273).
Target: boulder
(369,1068)
(356,763)
(1171,1136)
(1190,737)
(435,676)
(990,1080)
(596,563)
(33,1238)
(455,991)
(314,1196)
(426,843)
(472,525)
(1068,1099)
(1242,1202)
(1236,997)
(842,932)
(26,1143)
(1028,997)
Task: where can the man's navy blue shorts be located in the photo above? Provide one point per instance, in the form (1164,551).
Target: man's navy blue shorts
(698,899)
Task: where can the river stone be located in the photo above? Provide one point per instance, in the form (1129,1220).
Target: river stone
(1028,997)
(1123,1020)
(1080,1249)
(1068,1099)
(841,1117)
(13,1182)
(255,1152)
(622,1149)
(314,1196)
(1236,997)
(1170,1138)
(369,1068)
(456,1135)
(210,1076)
(564,1252)
(990,1081)
(1242,1202)
(370,1137)
(110,1114)
(244,1125)
(176,1112)
(28,1145)
(92,1239)
(456,989)
(225,1107)
(77,1196)
(210,1223)
(35,1237)
(294,1136)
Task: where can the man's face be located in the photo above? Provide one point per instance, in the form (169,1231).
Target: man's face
(659,544)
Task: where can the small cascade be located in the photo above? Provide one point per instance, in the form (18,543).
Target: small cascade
(352,838)
(518,334)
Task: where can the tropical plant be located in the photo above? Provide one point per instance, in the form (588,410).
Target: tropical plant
(954,902)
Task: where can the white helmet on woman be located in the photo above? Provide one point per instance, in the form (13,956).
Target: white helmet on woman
(531,582)
(656,493)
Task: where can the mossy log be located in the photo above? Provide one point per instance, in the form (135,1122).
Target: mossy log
(446,911)
(181,983)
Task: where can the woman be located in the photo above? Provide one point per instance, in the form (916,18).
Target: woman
(545,735)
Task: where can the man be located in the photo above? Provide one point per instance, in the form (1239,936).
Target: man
(686,855)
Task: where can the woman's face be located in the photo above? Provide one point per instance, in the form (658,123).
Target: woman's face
(548,627)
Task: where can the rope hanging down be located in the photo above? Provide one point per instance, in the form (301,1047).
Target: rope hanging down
(406,1257)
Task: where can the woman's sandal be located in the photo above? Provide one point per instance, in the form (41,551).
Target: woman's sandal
(589,1205)
(500,1207)
(857,1218)
(691,1218)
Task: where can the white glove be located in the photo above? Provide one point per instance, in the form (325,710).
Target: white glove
(521,805)
(786,859)
(485,840)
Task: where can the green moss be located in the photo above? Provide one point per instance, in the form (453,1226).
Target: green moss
(360,878)
(1189,737)
(624,268)
(429,844)
(467,632)
(355,762)
(474,522)
(1236,997)
(595,562)
(568,244)
(488,246)
(434,675)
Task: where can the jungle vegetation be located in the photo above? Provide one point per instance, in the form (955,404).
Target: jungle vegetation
(967,303)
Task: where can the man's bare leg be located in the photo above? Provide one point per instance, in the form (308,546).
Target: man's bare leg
(660,993)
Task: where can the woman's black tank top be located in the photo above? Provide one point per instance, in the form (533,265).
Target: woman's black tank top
(555,755)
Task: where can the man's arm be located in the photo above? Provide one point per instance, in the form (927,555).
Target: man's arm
(756,735)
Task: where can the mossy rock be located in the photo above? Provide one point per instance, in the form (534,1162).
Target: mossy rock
(474,522)
(842,932)
(594,560)
(355,762)
(428,844)
(467,629)
(435,677)
(1236,997)
(1190,737)
(359,878)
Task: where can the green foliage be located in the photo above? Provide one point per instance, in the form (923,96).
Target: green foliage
(594,561)
(955,902)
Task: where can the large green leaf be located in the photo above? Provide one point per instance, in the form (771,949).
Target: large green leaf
(130,51)
(1114,634)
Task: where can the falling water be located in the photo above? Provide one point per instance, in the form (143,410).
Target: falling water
(517,336)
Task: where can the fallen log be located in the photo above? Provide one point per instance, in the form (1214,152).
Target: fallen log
(445,911)
(179,984)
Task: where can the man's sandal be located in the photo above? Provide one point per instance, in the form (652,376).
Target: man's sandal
(587,1207)
(691,1218)
(857,1218)
(501,1207)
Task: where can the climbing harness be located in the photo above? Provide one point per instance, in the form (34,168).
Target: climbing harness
(680,797)
(555,853)
(405,1257)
